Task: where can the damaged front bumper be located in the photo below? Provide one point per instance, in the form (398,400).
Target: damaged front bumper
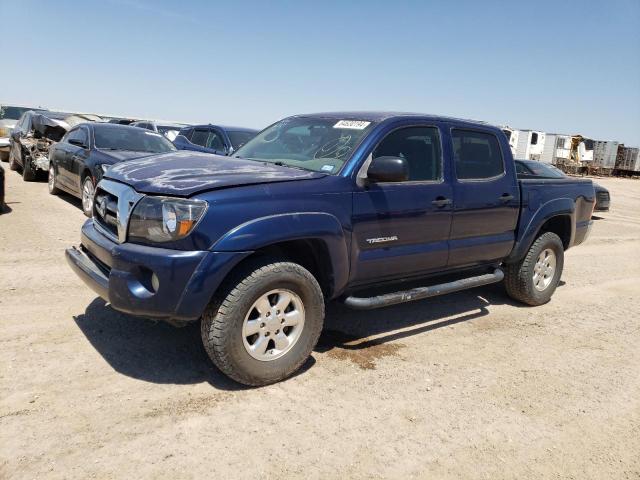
(38,152)
(170,285)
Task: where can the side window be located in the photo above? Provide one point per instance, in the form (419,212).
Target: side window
(199,137)
(186,133)
(419,146)
(477,155)
(82,135)
(214,141)
(77,134)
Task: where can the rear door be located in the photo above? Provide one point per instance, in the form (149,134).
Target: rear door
(402,228)
(485,199)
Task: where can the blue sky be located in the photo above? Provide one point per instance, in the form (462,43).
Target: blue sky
(557,66)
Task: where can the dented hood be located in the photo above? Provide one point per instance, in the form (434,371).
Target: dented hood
(185,173)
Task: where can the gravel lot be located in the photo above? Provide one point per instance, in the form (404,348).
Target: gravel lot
(466,386)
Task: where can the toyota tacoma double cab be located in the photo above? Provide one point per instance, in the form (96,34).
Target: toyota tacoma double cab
(323,207)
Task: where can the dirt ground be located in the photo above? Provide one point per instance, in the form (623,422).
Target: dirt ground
(466,386)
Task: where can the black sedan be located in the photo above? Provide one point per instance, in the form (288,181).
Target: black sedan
(78,161)
(532,168)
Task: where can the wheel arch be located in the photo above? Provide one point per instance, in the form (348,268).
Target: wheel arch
(557,216)
(314,240)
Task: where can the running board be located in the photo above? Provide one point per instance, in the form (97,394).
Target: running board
(367,303)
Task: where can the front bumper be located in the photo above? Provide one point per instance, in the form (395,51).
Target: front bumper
(149,281)
(4,144)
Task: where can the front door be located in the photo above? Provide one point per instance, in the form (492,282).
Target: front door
(402,228)
(486,203)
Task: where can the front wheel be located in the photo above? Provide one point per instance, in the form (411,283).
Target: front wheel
(534,279)
(88,191)
(265,323)
(53,186)
(13,165)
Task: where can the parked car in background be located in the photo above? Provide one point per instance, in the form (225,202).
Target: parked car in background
(80,159)
(169,130)
(9,116)
(320,207)
(534,169)
(122,121)
(31,139)
(215,139)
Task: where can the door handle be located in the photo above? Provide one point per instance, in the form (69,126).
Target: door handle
(505,197)
(441,202)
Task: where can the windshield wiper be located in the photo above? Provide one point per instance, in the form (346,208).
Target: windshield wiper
(282,164)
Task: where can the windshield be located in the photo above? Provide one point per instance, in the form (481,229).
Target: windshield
(238,139)
(12,113)
(317,144)
(130,138)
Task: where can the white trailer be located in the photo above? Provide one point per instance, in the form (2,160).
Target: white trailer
(525,144)
(629,160)
(604,154)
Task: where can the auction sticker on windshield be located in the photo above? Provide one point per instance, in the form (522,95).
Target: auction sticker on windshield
(352,124)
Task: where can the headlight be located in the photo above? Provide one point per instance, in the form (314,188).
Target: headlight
(5,132)
(164,219)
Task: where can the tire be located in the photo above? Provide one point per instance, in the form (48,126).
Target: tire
(4,156)
(52,182)
(88,191)
(28,172)
(530,281)
(225,323)
(13,165)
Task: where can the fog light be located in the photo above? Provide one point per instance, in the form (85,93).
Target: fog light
(155,282)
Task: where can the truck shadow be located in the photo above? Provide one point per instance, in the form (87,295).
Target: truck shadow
(160,353)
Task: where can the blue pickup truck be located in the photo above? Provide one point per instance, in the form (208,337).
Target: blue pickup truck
(323,207)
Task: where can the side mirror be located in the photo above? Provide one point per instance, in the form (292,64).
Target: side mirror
(388,169)
(77,143)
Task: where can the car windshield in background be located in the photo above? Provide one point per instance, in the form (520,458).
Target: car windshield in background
(169,128)
(130,138)
(240,138)
(12,113)
(312,143)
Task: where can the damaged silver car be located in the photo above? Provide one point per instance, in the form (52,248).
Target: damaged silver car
(33,136)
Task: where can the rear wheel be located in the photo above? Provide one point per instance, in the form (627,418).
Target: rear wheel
(88,191)
(534,279)
(265,323)
(53,189)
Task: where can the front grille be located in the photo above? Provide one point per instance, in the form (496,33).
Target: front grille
(105,211)
(603,196)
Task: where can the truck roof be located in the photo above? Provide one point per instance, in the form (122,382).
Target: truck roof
(379,116)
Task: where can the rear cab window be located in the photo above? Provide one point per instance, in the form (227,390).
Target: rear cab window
(477,155)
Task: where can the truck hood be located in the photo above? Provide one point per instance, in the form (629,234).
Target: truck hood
(185,173)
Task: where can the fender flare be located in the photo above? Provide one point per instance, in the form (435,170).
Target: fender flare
(554,208)
(270,230)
